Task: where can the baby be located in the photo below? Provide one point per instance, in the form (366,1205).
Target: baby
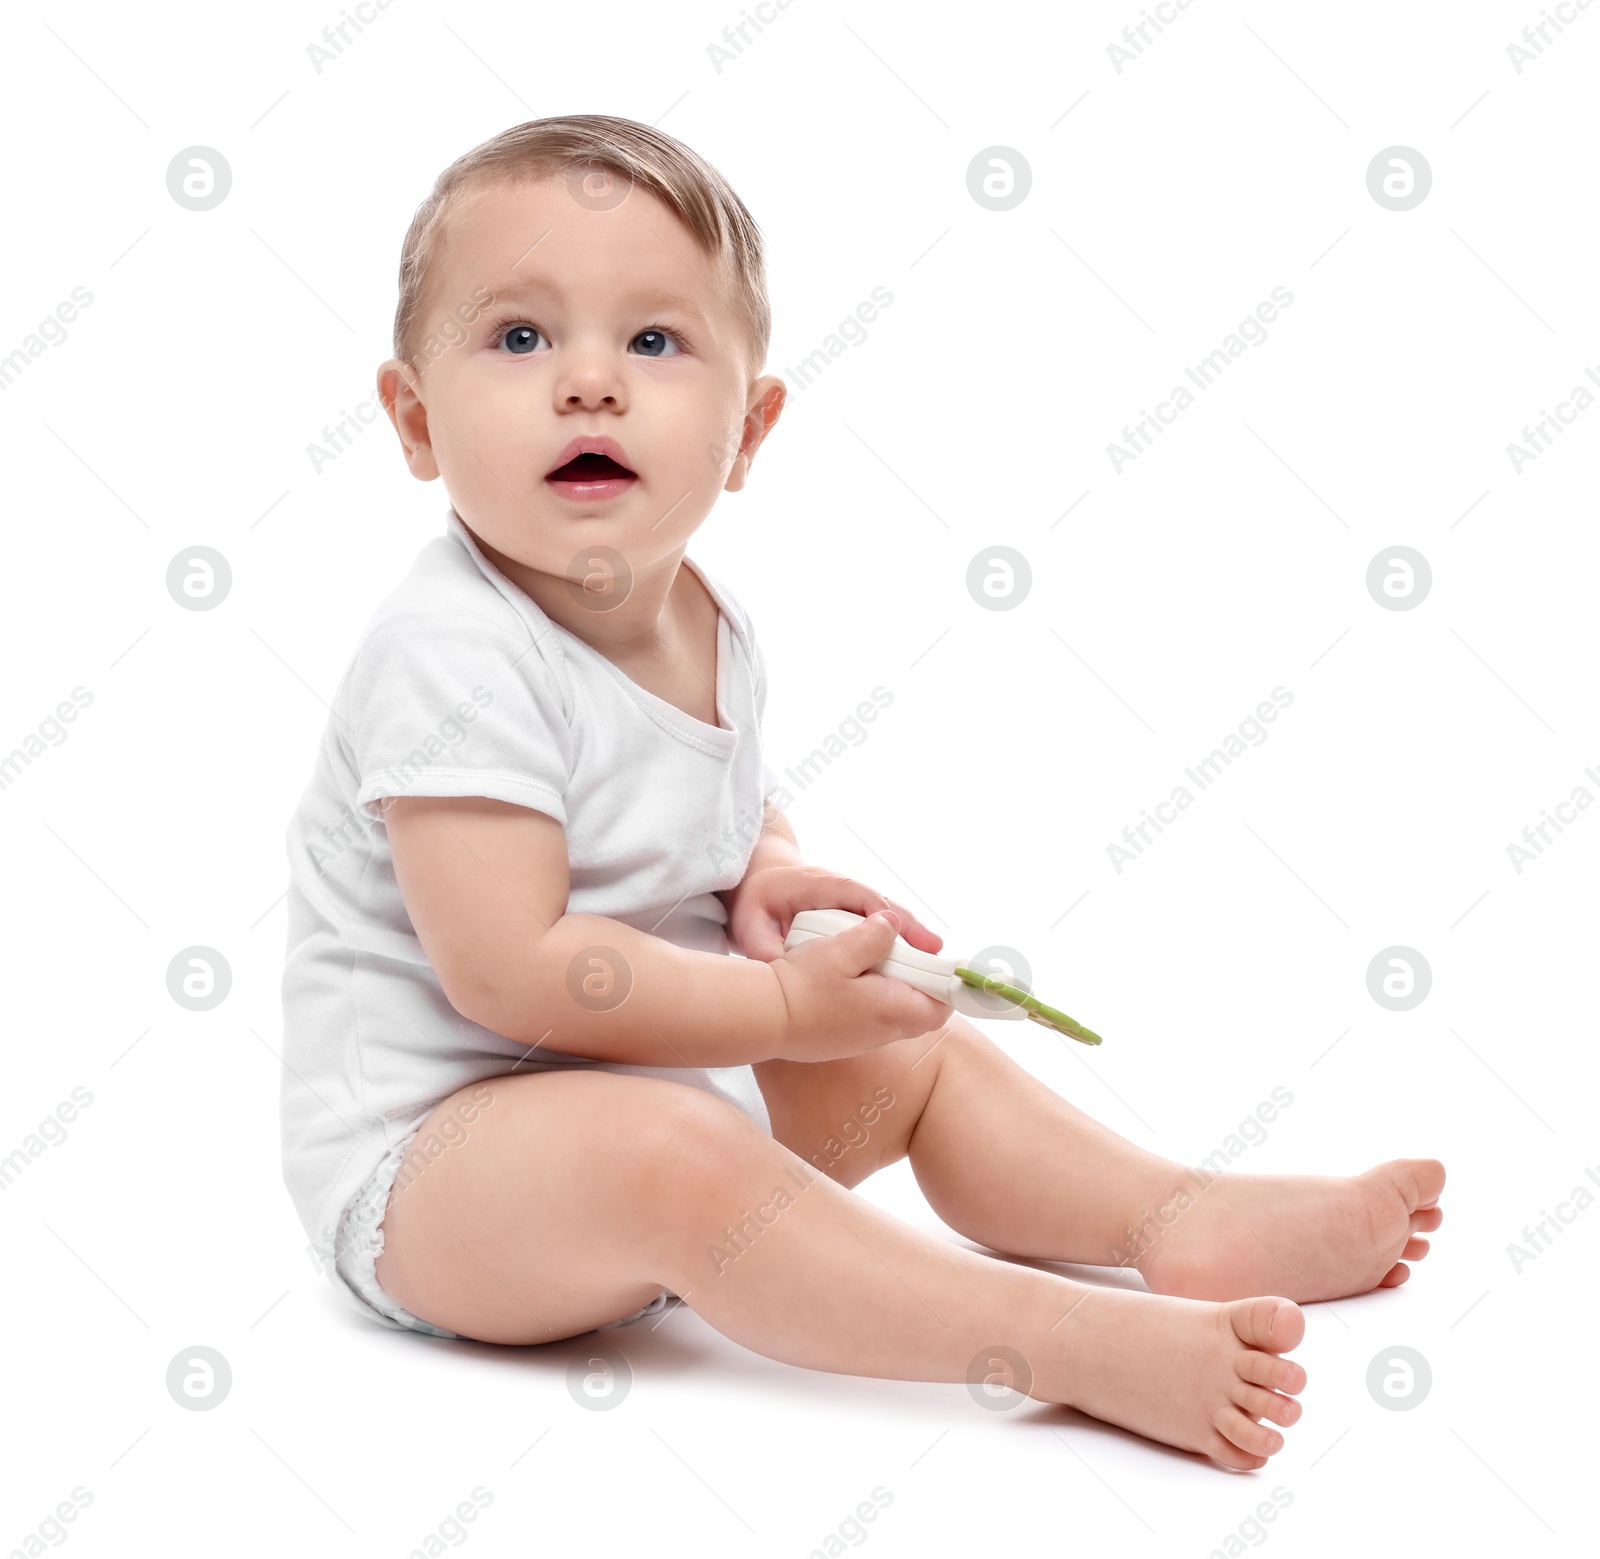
(548,1066)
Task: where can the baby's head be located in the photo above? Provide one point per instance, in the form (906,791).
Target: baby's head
(572,281)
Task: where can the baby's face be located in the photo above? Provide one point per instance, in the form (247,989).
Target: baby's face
(599,324)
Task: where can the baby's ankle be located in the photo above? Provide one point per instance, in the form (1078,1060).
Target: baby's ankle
(1168,1196)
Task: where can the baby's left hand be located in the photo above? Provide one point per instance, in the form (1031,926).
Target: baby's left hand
(762,906)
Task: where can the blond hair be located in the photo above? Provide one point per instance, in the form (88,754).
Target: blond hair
(579,146)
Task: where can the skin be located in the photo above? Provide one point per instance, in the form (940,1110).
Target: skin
(652,1173)
(492,421)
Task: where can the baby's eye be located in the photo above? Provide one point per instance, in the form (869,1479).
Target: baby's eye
(519,339)
(657,343)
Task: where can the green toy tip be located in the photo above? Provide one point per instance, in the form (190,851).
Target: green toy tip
(1050,1017)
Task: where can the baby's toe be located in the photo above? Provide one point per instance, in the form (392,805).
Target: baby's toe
(1258,1403)
(1225,1451)
(1221,1449)
(1425,1220)
(1265,1369)
(1415,1247)
(1252,1438)
(1420,1180)
(1395,1276)
(1272,1323)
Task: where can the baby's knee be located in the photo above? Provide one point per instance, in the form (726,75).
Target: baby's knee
(692,1150)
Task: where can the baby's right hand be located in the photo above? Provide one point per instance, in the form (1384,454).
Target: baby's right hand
(839,1006)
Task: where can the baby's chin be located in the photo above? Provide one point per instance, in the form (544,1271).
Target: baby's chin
(595,553)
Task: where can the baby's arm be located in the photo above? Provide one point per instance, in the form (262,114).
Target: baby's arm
(486,886)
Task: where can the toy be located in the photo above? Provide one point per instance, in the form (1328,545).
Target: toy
(947,979)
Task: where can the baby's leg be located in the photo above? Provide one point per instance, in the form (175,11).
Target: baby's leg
(577,1196)
(1011,1165)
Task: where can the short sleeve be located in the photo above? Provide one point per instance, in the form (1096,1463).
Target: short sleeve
(455,706)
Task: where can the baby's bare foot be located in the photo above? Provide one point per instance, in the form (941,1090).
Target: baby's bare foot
(1187,1372)
(1304,1236)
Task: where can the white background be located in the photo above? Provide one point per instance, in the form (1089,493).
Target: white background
(1166,602)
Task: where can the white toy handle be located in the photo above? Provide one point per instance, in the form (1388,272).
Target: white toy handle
(931,973)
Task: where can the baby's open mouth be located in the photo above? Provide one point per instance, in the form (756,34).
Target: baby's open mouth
(592,472)
(587,469)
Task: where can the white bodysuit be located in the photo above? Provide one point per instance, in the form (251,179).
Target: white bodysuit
(461,686)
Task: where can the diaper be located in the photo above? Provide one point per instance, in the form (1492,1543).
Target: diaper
(359,1243)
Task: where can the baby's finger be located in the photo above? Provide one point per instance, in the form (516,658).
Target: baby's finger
(835,892)
(847,893)
(913,1011)
(761,938)
(913,930)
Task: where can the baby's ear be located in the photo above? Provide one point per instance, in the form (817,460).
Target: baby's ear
(398,390)
(767,397)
